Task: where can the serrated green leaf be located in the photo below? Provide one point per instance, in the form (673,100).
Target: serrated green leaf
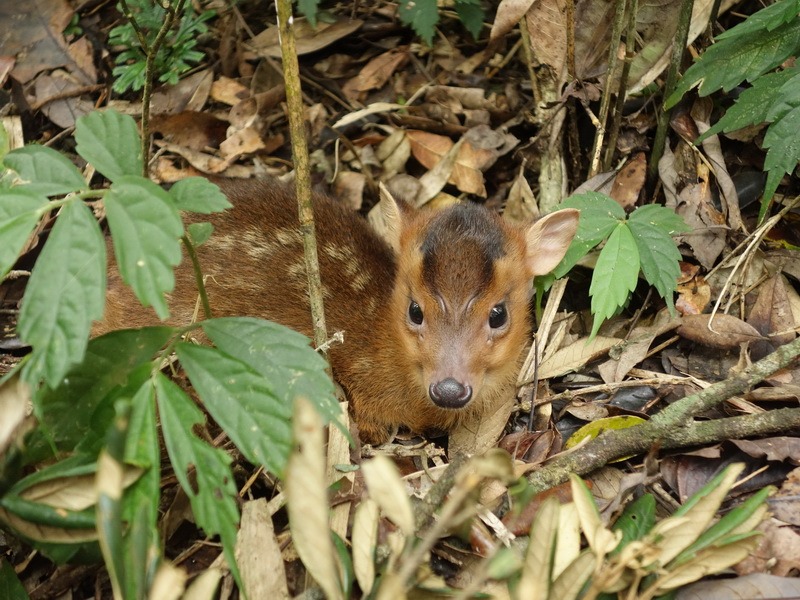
(784,149)
(110,142)
(45,171)
(636,520)
(615,275)
(766,19)
(66,292)
(146,229)
(599,216)
(786,98)
(70,411)
(19,214)
(658,254)
(422,15)
(755,103)
(471,15)
(212,492)
(197,194)
(244,403)
(743,58)
(282,356)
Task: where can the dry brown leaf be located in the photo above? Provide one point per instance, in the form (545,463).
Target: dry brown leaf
(694,293)
(190,93)
(635,348)
(772,312)
(349,188)
(267,43)
(481,431)
(228,91)
(244,141)
(728,331)
(195,130)
(258,553)
(629,182)
(375,73)
(575,356)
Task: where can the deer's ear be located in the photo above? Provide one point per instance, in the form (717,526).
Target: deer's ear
(389,217)
(548,239)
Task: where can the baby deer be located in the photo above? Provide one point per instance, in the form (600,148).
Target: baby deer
(434,321)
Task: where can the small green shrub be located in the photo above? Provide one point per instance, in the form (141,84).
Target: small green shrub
(637,242)
(748,52)
(97,403)
(174,57)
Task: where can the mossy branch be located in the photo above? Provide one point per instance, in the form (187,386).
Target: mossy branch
(674,427)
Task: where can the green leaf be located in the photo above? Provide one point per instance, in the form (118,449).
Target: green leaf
(766,19)
(212,492)
(11,587)
(309,8)
(110,142)
(141,501)
(146,229)
(70,411)
(636,520)
(615,275)
(755,103)
(471,14)
(719,531)
(422,15)
(786,98)
(19,214)
(198,194)
(247,405)
(599,216)
(66,292)
(45,171)
(784,149)
(199,232)
(282,356)
(651,227)
(743,58)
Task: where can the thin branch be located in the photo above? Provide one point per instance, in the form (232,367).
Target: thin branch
(674,426)
(297,127)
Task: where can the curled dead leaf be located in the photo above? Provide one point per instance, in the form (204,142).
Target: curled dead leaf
(726,334)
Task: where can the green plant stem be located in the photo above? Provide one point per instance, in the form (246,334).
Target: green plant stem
(198,275)
(605,102)
(151,52)
(674,427)
(297,125)
(662,116)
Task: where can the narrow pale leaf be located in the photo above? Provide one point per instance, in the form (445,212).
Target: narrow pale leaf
(700,514)
(570,583)
(307,501)
(365,540)
(387,489)
(534,581)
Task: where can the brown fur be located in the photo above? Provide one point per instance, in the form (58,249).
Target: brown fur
(473,261)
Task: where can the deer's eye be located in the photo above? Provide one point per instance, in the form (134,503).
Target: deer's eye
(415,313)
(498,316)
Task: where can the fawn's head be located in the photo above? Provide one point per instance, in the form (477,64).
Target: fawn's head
(460,303)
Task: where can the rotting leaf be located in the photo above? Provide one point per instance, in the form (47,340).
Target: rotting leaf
(727,333)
